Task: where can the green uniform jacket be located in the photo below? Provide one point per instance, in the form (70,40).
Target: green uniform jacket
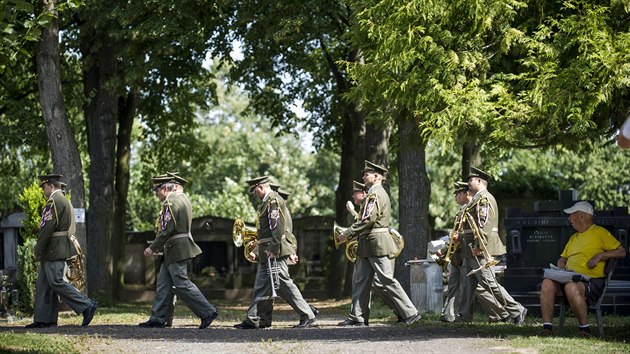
(456,256)
(175,237)
(274,221)
(57,216)
(373,226)
(484,211)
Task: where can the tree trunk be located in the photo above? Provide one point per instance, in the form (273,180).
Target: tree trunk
(63,146)
(470,157)
(127,111)
(101,116)
(414,195)
(352,143)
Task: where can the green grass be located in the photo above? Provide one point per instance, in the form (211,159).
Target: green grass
(520,338)
(11,342)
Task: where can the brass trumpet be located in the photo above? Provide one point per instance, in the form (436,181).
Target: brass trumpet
(352,243)
(245,235)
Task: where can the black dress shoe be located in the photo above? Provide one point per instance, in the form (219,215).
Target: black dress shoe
(208,320)
(152,324)
(411,319)
(348,322)
(41,325)
(88,314)
(245,325)
(314,309)
(306,323)
(263,326)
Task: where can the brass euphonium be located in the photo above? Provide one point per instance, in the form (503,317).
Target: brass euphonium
(245,235)
(352,243)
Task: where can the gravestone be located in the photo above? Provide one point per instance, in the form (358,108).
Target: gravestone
(535,239)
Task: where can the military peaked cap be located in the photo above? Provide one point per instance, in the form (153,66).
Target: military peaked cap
(176,178)
(284,194)
(49,178)
(275,187)
(372,167)
(256,181)
(475,172)
(460,187)
(357,187)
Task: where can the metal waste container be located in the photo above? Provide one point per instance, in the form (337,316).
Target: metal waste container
(426,285)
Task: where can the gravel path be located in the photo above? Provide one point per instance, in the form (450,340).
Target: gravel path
(327,337)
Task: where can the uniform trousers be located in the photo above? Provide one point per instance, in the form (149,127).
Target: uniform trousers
(452,308)
(451,303)
(367,269)
(173,279)
(259,312)
(51,286)
(498,302)
(379,289)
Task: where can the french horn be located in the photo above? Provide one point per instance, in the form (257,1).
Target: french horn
(74,272)
(245,235)
(352,243)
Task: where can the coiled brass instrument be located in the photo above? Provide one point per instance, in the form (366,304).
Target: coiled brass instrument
(452,245)
(74,272)
(352,243)
(245,235)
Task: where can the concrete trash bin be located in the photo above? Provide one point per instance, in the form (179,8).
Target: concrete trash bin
(426,285)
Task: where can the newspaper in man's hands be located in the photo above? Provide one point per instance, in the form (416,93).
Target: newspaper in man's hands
(563,275)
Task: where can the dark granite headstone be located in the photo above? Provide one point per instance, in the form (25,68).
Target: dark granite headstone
(538,238)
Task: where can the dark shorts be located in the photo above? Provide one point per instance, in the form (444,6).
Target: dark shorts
(593,289)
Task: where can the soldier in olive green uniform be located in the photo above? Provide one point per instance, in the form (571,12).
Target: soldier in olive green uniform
(455,274)
(178,246)
(52,249)
(482,214)
(358,196)
(376,247)
(275,241)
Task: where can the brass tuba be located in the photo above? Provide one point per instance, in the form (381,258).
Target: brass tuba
(352,243)
(245,235)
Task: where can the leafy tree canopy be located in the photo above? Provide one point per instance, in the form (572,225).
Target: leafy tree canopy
(231,146)
(509,73)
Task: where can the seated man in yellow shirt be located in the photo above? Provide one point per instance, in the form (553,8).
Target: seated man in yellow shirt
(586,252)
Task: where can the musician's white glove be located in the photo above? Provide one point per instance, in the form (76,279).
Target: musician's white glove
(350,206)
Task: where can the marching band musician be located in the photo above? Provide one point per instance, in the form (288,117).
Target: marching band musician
(376,246)
(275,242)
(358,196)
(480,241)
(52,249)
(455,274)
(456,277)
(176,241)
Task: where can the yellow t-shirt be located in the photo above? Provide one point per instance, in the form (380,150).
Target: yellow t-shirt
(583,246)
